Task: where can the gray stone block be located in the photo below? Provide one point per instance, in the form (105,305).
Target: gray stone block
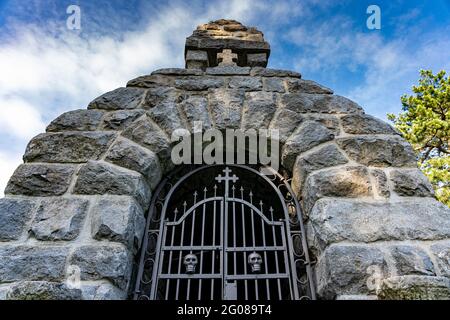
(274,84)
(151,81)
(411,259)
(441,252)
(286,121)
(121,98)
(349,269)
(68,147)
(42,290)
(381,182)
(257,59)
(195,107)
(59,219)
(118,120)
(365,124)
(178,72)
(350,182)
(126,154)
(102,291)
(327,156)
(102,178)
(228,71)
(159,95)
(199,83)
(32,263)
(309,135)
(226,107)
(104,262)
(265,72)
(379,151)
(414,287)
(337,220)
(14,215)
(119,220)
(411,183)
(40,180)
(259,110)
(77,120)
(245,83)
(306,86)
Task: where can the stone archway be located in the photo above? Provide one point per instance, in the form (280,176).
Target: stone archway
(77,204)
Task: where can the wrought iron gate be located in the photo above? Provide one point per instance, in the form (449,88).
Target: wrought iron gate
(224,241)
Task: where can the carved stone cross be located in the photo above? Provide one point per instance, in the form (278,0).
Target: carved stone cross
(227,58)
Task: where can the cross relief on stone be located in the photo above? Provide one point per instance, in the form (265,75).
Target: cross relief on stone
(227,58)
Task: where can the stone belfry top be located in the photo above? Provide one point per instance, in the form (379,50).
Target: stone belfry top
(226,42)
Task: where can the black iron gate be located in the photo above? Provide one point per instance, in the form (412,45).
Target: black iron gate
(224,241)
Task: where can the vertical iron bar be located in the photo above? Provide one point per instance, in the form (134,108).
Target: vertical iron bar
(202,242)
(244,242)
(180,256)
(277,267)
(192,243)
(254,241)
(170,253)
(265,252)
(213,243)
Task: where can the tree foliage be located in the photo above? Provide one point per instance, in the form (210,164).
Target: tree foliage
(425,123)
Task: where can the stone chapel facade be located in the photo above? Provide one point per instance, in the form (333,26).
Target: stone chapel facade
(78,208)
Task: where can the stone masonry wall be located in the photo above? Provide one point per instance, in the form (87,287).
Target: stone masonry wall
(78,202)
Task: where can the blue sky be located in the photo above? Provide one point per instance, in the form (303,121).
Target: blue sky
(47,69)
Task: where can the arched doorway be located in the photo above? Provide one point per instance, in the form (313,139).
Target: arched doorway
(224,232)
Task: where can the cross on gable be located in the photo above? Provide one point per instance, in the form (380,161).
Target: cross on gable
(227,58)
(227,176)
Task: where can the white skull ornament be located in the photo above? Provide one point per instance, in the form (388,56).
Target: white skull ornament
(190,262)
(255,261)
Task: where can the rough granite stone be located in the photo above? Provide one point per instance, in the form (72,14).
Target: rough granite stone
(104,262)
(265,72)
(309,135)
(42,290)
(149,135)
(379,151)
(59,219)
(411,259)
(441,252)
(102,291)
(118,120)
(337,220)
(14,215)
(381,182)
(286,121)
(306,86)
(77,120)
(411,183)
(228,71)
(199,83)
(167,117)
(68,147)
(246,83)
(151,81)
(259,110)
(40,180)
(121,98)
(178,72)
(365,124)
(226,107)
(273,84)
(159,95)
(350,182)
(102,178)
(413,287)
(349,269)
(26,262)
(326,156)
(129,155)
(195,107)
(118,219)
(320,103)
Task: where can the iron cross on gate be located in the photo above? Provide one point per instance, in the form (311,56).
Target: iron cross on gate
(227,178)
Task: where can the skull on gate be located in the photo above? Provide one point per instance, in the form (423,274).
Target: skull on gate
(190,262)
(255,261)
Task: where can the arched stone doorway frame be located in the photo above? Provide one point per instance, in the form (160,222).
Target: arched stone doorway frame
(102,163)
